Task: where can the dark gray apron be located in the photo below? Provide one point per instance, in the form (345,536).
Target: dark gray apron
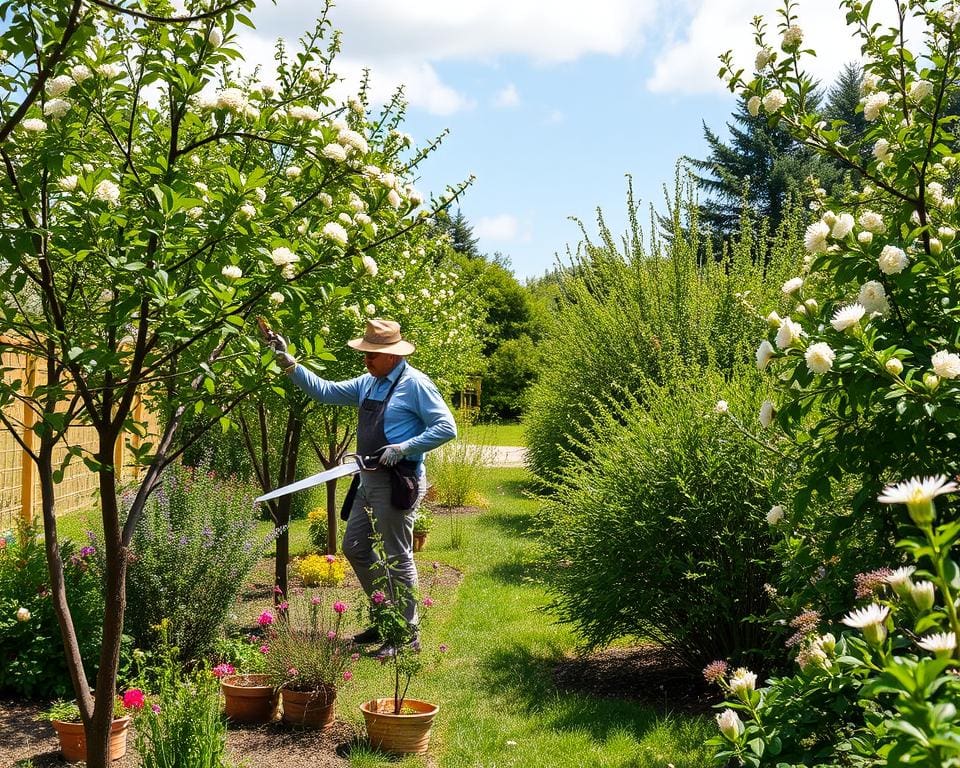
(371,437)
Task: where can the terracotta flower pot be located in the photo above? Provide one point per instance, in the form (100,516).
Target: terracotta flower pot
(406,733)
(73,741)
(312,708)
(419,539)
(248,698)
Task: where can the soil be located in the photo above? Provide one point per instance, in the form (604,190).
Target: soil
(646,673)
(22,738)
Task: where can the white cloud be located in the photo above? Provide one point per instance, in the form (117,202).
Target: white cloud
(401,42)
(690,64)
(504,226)
(555,117)
(507,97)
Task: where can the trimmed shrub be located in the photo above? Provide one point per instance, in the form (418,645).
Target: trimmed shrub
(32,661)
(193,548)
(646,540)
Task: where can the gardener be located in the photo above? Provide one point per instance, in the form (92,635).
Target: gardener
(402,416)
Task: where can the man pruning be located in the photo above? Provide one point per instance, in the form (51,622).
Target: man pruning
(401,416)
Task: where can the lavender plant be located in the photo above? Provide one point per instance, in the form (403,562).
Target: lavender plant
(192,550)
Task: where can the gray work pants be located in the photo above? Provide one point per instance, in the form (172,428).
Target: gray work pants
(396,528)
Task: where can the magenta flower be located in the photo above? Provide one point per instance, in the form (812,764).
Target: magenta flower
(264,649)
(340,606)
(265,619)
(315,600)
(442,648)
(378,597)
(222,670)
(283,606)
(427,601)
(277,590)
(347,675)
(354,657)
(87,551)
(331,558)
(155,708)
(134,699)
(331,635)
(293,672)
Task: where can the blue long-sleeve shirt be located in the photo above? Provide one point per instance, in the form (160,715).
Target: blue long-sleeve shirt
(417,418)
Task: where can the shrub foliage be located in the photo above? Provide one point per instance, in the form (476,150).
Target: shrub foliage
(646,539)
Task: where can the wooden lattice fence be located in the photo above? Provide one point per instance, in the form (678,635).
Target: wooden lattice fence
(19,484)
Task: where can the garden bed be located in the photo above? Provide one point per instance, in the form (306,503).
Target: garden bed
(646,673)
(24,738)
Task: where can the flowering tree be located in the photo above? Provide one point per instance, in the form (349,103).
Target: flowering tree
(411,279)
(867,375)
(152,199)
(868,355)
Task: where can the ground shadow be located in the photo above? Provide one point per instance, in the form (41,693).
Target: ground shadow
(513,523)
(630,694)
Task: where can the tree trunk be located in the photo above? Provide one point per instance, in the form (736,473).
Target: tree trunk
(115,598)
(332,517)
(288,469)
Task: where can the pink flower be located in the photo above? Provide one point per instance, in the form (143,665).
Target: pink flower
(265,619)
(155,708)
(293,672)
(354,657)
(222,670)
(315,600)
(134,699)
(427,601)
(331,558)
(331,635)
(347,675)
(378,597)
(283,606)
(277,590)
(340,607)
(442,648)
(264,649)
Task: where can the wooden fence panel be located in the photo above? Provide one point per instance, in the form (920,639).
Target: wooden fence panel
(19,484)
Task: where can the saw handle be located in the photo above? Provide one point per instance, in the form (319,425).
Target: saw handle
(368,463)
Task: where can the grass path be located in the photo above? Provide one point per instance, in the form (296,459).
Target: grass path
(498,704)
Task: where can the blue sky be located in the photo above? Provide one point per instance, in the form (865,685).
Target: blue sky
(551,103)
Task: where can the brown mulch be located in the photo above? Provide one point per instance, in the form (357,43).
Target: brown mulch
(646,673)
(438,510)
(265,746)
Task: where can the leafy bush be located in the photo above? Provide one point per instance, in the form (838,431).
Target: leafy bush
(193,548)
(883,695)
(317,528)
(647,539)
(510,370)
(644,314)
(32,661)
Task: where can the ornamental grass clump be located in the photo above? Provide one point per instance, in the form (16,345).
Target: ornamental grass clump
(880,687)
(305,648)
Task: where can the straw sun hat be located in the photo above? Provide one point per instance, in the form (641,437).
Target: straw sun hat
(382,336)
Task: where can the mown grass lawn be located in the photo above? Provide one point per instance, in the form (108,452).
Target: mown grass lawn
(499,707)
(495,434)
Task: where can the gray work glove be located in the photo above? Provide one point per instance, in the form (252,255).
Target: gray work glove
(279,345)
(391,455)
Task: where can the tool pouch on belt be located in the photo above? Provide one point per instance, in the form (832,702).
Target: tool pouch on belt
(404,484)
